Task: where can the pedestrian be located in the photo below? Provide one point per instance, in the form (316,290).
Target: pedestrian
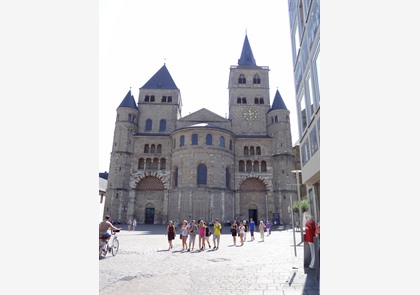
(241,232)
(192,232)
(217,229)
(208,234)
(202,236)
(246,230)
(234,231)
(105,226)
(184,234)
(170,232)
(134,224)
(252,228)
(310,229)
(268,227)
(130,224)
(261,229)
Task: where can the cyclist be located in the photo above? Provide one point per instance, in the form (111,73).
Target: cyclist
(104,226)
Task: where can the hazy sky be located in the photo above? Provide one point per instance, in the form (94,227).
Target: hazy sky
(198,41)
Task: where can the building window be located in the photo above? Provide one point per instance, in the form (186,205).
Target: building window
(258,150)
(317,77)
(152,148)
(201,174)
(147,98)
(302,109)
(241,166)
(162,164)
(246,151)
(243,100)
(164,98)
(159,148)
(146,148)
(209,139)
(310,94)
(252,151)
(256,79)
(296,42)
(155,163)
(152,98)
(182,140)
(148,163)
(162,125)
(263,166)
(238,100)
(141,164)
(222,142)
(242,79)
(176,177)
(230,144)
(149,125)
(227,177)
(169,98)
(194,139)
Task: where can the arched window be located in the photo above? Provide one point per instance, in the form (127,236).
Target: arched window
(162,125)
(176,177)
(174,143)
(256,79)
(209,139)
(241,166)
(258,150)
(164,98)
(243,100)
(159,148)
(201,174)
(222,142)
(252,151)
(155,163)
(162,164)
(152,148)
(261,100)
(238,100)
(148,163)
(248,166)
(146,98)
(230,144)
(146,148)
(169,98)
(182,140)
(148,125)
(246,152)
(256,166)
(242,79)
(227,177)
(256,100)
(152,98)
(194,139)
(263,166)
(141,164)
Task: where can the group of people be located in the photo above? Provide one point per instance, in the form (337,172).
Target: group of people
(241,230)
(132,224)
(190,230)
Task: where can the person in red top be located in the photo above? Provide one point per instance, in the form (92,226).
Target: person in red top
(309,238)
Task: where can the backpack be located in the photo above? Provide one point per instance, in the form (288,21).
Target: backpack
(208,232)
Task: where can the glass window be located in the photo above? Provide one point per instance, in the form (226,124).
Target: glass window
(182,140)
(263,166)
(317,74)
(162,164)
(209,139)
(141,164)
(159,148)
(248,166)
(222,142)
(148,125)
(162,125)
(194,139)
(246,151)
(310,93)
(146,148)
(256,166)
(201,174)
(296,42)
(155,163)
(303,116)
(153,148)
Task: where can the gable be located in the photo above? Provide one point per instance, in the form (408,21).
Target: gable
(203,115)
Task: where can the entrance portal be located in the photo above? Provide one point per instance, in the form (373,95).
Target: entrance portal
(150,215)
(253,213)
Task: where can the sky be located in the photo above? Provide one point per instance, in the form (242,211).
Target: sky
(198,41)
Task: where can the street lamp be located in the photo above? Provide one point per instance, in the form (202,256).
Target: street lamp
(300,203)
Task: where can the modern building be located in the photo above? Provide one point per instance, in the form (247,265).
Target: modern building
(103,180)
(203,166)
(304,16)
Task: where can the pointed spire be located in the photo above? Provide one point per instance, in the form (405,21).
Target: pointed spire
(278,103)
(161,80)
(247,58)
(128,101)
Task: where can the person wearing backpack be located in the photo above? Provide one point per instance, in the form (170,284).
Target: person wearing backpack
(208,234)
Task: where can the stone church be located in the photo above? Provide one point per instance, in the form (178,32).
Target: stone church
(202,166)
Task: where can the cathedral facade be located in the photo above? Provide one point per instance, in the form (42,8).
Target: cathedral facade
(203,166)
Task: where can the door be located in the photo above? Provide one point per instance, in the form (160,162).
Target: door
(150,215)
(253,213)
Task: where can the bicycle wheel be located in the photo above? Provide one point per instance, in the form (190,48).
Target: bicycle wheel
(115,246)
(102,252)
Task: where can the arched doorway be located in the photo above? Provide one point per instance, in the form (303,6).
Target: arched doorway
(149,200)
(253,203)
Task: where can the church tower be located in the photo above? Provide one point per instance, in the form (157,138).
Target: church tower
(249,93)
(121,157)
(284,182)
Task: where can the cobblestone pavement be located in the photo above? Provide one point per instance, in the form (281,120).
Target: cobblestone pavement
(143,265)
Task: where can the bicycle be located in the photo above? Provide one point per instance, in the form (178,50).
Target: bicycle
(105,246)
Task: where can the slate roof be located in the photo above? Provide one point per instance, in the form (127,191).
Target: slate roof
(161,80)
(128,101)
(278,103)
(247,58)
